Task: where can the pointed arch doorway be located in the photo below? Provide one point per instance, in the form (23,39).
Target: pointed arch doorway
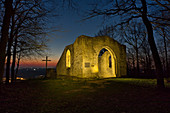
(107,63)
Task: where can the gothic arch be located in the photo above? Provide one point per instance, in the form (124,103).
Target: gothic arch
(113,62)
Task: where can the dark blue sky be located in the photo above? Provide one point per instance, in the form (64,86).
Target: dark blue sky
(69,26)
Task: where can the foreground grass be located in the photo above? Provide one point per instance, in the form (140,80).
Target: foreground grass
(117,95)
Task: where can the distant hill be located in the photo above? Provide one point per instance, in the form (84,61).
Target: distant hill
(31,72)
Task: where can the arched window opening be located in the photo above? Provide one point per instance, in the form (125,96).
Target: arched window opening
(102,52)
(68,59)
(110,62)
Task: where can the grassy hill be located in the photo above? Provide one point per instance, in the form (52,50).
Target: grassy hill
(72,95)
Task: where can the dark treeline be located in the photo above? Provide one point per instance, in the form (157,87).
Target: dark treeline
(153,14)
(139,57)
(24,27)
(23,33)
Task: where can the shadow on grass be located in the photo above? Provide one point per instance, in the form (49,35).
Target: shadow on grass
(75,95)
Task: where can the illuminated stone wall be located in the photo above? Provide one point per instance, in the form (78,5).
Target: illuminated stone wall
(85,61)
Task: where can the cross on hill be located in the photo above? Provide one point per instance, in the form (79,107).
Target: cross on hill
(46,64)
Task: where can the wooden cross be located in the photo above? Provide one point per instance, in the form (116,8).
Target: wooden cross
(46,64)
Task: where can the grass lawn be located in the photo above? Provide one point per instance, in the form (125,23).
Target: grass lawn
(71,95)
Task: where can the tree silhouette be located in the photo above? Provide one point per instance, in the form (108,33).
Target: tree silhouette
(4,34)
(128,10)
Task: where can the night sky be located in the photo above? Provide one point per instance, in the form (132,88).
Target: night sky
(68,26)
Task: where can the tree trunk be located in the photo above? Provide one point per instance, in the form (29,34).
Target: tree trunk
(13,62)
(133,62)
(149,63)
(137,61)
(9,51)
(166,54)
(8,60)
(159,70)
(4,35)
(137,53)
(19,57)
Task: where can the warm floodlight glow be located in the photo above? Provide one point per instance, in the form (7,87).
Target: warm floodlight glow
(106,62)
(68,59)
(91,57)
(20,78)
(95,69)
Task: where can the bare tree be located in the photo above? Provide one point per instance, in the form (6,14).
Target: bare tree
(14,20)
(145,49)
(29,29)
(131,61)
(28,22)
(28,49)
(110,31)
(164,53)
(134,35)
(24,13)
(126,11)
(163,41)
(4,34)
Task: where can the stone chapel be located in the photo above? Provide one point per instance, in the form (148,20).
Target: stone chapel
(93,57)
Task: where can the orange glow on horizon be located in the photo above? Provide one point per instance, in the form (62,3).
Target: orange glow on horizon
(40,64)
